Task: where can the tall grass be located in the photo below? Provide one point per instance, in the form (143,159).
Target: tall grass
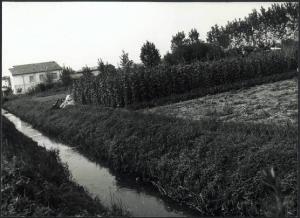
(35,183)
(214,167)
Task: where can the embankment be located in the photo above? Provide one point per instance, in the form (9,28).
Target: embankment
(35,183)
(213,167)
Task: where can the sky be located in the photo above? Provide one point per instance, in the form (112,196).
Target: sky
(76,34)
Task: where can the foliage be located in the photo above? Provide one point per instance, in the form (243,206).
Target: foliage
(86,71)
(149,54)
(41,87)
(125,62)
(35,183)
(200,92)
(260,29)
(188,50)
(214,167)
(139,84)
(66,76)
(106,69)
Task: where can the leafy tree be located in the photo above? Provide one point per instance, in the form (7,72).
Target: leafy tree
(149,55)
(260,29)
(106,69)
(178,41)
(86,71)
(125,61)
(194,36)
(66,75)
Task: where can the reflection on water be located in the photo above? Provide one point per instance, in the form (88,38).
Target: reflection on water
(100,181)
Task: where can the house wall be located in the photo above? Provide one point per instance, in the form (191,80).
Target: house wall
(23,81)
(5,83)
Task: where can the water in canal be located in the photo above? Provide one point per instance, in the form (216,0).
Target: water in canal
(101,182)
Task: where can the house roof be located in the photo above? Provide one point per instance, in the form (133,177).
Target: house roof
(34,68)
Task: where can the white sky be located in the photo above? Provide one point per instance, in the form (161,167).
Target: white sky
(76,34)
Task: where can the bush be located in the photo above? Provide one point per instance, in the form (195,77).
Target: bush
(66,76)
(140,84)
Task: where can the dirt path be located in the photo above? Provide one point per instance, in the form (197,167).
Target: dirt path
(273,102)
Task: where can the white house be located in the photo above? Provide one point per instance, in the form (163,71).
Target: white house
(24,77)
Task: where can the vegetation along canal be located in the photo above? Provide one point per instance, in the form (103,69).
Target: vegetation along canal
(101,182)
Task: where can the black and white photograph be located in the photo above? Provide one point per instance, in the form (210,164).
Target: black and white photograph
(149,109)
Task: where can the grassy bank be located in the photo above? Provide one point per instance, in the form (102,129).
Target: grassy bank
(35,183)
(213,167)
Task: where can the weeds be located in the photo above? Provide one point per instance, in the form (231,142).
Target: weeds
(35,183)
(218,161)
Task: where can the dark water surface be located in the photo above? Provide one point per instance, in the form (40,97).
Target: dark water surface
(101,182)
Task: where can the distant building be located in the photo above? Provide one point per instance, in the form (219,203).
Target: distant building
(79,73)
(24,77)
(6,82)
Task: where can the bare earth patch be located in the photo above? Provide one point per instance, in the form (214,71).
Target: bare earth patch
(273,102)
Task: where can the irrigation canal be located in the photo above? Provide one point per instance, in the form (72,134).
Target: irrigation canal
(100,181)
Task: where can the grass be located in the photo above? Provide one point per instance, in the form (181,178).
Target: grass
(267,103)
(214,167)
(35,183)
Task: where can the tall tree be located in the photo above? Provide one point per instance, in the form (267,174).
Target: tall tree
(124,60)
(149,54)
(66,75)
(178,40)
(194,36)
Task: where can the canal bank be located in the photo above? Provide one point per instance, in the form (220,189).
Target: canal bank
(109,188)
(35,183)
(214,167)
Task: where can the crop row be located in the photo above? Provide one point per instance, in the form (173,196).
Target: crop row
(138,84)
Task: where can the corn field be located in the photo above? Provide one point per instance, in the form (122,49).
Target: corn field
(139,84)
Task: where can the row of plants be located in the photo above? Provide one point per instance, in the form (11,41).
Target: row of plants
(138,83)
(200,92)
(35,183)
(214,167)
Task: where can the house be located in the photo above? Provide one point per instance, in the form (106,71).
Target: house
(94,70)
(24,77)
(5,82)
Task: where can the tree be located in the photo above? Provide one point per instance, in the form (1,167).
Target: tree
(86,71)
(66,75)
(178,41)
(194,36)
(106,69)
(149,54)
(124,60)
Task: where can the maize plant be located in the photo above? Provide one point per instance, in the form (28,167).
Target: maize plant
(132,85)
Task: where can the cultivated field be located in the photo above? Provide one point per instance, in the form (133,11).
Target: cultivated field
(272,102)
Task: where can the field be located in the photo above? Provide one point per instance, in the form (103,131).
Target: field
(211,166)
(272,102)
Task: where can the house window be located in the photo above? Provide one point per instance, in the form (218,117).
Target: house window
(53,75)
(31,79)
(42,77)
